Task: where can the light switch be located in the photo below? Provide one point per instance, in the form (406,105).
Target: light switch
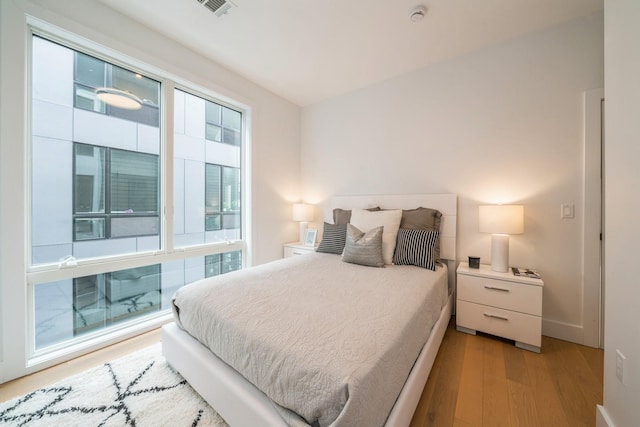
(567,211)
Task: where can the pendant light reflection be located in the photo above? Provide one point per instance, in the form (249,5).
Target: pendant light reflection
(119,98)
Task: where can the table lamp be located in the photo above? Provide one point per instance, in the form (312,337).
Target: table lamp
(501,221)
(303,213)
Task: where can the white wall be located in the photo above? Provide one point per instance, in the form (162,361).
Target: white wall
(622,204)
(274,141)
(499,125)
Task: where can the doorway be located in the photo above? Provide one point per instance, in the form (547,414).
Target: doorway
(593,233)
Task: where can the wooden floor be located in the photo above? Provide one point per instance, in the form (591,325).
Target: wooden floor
(56,373)
(486,381)
(475,381)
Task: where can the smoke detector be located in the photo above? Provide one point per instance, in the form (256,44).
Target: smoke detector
(219,7)
(417,13)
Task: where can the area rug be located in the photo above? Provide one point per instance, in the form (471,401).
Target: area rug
(140,389)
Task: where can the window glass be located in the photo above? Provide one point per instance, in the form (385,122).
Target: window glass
(70,308)
(207,178)
(95,177)
(134,182)
(213,111)
(231,119)
(96,195)
(223,263)
(89,179)
(90,71)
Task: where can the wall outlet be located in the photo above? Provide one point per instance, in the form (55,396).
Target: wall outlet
(620,359)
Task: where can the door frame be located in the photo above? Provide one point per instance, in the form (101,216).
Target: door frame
(593,231)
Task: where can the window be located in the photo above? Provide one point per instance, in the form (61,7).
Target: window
(223,124)
(92,73)
(95,171)
(222,197)
(207,172)
(116,193)
(97,196)
(222,263)
(103,300)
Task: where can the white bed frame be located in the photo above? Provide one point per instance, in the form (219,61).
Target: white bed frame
(242,404)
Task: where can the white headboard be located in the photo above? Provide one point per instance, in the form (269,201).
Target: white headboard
(445,203)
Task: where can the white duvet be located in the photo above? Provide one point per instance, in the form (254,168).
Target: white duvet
(330,343)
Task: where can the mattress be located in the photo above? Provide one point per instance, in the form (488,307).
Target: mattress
(328,342)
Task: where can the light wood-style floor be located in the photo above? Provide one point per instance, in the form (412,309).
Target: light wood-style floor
(475,381)
(33,382)
(486,381)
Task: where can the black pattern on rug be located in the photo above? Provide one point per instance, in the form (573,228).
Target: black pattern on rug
(122,399)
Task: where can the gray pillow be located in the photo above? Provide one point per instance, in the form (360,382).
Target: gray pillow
(333,238)
(343,216)
(364,248)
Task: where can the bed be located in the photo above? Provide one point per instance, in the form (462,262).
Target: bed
(345,355)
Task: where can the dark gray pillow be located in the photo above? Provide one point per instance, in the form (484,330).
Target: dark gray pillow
(364,248)
(333,238)
(416,247)
(423,219)
(343,216)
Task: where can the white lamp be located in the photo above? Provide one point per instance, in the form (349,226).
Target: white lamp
(302,213)
(501,221)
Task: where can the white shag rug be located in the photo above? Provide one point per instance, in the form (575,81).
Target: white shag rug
(140,389)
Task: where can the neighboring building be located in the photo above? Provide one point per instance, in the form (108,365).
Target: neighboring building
(96,190)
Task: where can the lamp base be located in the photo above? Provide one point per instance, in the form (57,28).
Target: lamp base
(303,230)
(500,252)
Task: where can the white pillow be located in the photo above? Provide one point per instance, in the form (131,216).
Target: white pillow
(390,220)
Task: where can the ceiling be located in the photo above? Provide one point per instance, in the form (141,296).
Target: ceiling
(307,51)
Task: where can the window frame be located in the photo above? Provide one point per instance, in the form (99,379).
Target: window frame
(44,273)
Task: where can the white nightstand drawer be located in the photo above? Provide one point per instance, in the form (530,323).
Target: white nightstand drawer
(501,293)
(508,324)
(295,251)
(291,249)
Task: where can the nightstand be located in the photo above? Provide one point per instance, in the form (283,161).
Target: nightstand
(297,248)
(501,304)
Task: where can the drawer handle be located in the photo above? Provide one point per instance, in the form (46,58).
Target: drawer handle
(496,288)
(495,316)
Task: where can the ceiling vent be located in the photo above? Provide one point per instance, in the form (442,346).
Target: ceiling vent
(219,7)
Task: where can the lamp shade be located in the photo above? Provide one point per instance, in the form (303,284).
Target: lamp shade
(501,219)
(302,212)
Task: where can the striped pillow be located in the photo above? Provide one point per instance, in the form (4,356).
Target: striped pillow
(416,247)
(333,238)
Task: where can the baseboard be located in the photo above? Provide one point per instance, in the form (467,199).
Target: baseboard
(602,417)
(563,331)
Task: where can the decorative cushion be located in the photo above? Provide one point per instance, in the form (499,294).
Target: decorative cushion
(333,238)
(390,220)
(423,219)
(343,216)
(416,247)
(363,248)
